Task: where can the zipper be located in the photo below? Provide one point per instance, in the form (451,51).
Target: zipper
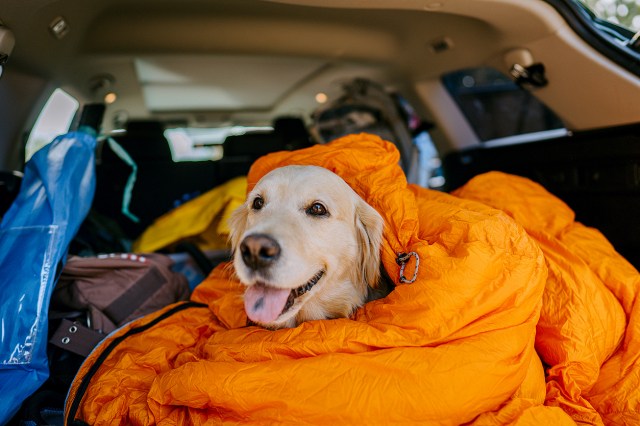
(86,380)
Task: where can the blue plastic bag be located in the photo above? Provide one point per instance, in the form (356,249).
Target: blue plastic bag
(55,197)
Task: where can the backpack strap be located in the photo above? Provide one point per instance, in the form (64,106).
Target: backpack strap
(144,288)
(76,338)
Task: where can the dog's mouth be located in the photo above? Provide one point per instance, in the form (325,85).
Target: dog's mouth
(264,303)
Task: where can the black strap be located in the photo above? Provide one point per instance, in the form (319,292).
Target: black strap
(76,338)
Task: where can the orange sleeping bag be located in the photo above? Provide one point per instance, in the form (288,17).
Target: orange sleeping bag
(505,278)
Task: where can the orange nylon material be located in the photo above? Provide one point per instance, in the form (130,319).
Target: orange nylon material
(506,278)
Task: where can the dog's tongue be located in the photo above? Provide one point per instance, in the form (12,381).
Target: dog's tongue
(264,304)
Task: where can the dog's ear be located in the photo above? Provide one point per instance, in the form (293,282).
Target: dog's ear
(369,227)
(237,225)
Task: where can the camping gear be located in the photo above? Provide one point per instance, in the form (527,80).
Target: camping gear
(508,288)
(366,106)
(196,233)
(54,198)
(107,291)
(202,221)
(94,296)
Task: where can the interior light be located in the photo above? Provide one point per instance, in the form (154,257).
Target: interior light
(110,98)
(101,87)
(59,27)
(321,98)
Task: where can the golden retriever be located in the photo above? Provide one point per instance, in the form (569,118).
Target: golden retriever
(306,246)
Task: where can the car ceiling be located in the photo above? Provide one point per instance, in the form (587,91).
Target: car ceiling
(249,60)
(205,43)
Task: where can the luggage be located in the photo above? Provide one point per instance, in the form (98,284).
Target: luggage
(111,290)
(93,297)
(201,221)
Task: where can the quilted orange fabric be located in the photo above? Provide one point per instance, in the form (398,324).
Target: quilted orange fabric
(506,278)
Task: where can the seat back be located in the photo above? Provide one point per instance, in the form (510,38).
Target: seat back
(161,184)
(240,151)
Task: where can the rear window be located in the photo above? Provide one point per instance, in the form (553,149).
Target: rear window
(496,107)
(203,144)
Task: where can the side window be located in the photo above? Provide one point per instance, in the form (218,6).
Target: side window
(496,107)
(625,13)
(54,120)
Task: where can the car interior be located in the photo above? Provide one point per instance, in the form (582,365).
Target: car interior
(195,91)
(197,64)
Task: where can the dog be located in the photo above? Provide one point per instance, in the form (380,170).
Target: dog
(307,247)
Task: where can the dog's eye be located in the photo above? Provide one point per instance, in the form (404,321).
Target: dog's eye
(317,209)
(258,203)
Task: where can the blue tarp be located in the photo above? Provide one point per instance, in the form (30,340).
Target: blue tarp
(55,197)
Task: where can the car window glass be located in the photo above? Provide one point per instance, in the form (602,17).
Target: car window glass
(54,119)
(622,12)
(202,144)
(496,107)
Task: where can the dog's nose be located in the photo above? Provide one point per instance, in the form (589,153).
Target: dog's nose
(259,251)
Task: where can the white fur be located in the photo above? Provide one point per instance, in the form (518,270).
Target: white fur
(345,244)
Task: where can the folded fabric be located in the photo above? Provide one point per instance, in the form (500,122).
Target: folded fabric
(505,277)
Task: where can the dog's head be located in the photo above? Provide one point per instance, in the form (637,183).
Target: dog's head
(306,246)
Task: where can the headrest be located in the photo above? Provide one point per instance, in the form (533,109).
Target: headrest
(145,129)
(145,141)
(252,144)
(293,132)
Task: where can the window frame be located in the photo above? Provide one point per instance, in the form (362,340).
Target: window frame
(586,25)
(501,84)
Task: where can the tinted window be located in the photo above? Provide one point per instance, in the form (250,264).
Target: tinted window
(495,106)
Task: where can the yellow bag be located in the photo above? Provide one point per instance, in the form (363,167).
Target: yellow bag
(203,220)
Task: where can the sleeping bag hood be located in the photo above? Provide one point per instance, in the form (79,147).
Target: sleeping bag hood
(487,282)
